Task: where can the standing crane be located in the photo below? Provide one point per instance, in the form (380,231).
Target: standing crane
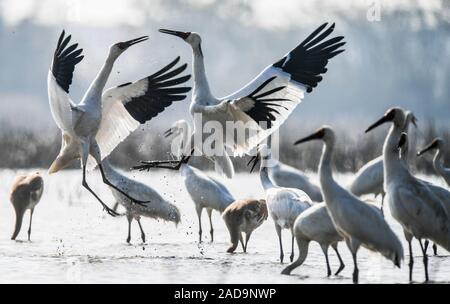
(205,191)
(413,203)
(369,179)
(157,208)
(359,223)
(26,192)
(284,204)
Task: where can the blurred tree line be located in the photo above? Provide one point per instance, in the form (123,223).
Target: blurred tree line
(27,149)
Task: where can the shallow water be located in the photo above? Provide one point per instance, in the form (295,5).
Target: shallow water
(74,241)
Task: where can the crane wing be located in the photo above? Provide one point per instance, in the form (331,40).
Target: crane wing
(59,79)
(269,99)
(127,106)
(421,199)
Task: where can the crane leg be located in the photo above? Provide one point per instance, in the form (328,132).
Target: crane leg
(116,206)
(425,259)
(292,245)
(142,231)
(130,219)
(84,154)
(278,229)
(426,243)
(95,152)
(162,164)
(211,230)
(342,265)
(302,245)
(107,182)
(355,269)
(325,252)
(241,239)
(19,218)
(29,228)
(85,185)
(411,260)
(199,215)
(247,237)
(353,247)
(234,235)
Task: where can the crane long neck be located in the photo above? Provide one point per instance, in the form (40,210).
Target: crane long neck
(95,90)
(111,172)
(201,85)
(264,177)
(392,163)
(266,182)
(327,181)
(404,153)
(437,162)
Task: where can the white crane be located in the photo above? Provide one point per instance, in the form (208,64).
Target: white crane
(244,216)
(26,192)
(289,177)
(438,144)
(439,191)
(204,190)
(413,203)
(284,204)
(156,208)
(315,224)
(262,105)
(369,179)
(103,119)
(359,223)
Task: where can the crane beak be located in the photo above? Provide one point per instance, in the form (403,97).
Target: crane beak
(182,35)
(316,135)
(255,159)
(427,148)
(131,42)
(168,132)
(379,122)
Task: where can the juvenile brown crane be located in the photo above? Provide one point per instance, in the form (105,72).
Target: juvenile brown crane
(244,216)
(26,192)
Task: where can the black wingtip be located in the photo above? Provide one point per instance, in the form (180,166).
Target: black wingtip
(60,39)
(309,59)
(166,68)
(175,61)
(161,92)
(64,60)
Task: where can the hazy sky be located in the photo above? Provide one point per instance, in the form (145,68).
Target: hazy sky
(401,59)
(266,14)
